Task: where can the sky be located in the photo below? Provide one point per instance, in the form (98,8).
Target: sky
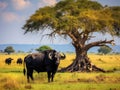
(14,13)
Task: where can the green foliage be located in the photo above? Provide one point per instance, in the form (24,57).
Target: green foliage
(116,15)
(43,48)
(9,49)
(104,49)
(69,15)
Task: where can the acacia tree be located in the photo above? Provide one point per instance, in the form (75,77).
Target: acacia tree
(43,48)
(9,49)
(77,19)
(104,49)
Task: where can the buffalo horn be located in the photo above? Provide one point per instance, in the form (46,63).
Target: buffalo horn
(50,56)
(63,57)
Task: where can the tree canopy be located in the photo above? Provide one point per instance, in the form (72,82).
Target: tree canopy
(80,16)
(9,49)
(43,48)
(104,50)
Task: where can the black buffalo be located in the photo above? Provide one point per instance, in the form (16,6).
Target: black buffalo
(46,61)
(19,61)
(8,61)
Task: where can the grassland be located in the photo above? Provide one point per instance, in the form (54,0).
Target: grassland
(12,78)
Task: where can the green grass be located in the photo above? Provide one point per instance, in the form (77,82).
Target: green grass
(12,78)
(62,81)
(76,86)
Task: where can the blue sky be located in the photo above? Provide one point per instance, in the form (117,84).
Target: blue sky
(14,13)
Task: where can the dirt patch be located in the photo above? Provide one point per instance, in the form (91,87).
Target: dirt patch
(72,81)
(81,80)
(107,79)
(3,79)
(100,78)
(86,80)
(117,80)
(101,60)
(28,86)
(11,85)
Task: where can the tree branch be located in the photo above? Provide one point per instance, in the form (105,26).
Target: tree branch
(72,37)
(85,37)
(99,43)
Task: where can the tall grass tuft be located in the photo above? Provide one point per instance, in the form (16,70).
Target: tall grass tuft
(10,84)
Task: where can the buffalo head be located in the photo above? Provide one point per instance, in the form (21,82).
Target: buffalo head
(10,59)
(56,57)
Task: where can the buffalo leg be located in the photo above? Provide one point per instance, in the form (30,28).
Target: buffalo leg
(31,74)
(49,76)
(28,77)
(52,76)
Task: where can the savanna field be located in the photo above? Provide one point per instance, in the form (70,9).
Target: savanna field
(12,78)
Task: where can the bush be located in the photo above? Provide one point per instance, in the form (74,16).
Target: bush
(104,50)
(43,48)
(9,49)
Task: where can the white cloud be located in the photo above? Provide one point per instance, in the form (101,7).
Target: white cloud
(3,5)
(50,2)
(43,3)
(21,4)
(9,16)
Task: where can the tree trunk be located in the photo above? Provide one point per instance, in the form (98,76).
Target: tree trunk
(81,63)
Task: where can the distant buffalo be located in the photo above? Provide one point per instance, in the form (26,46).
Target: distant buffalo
(8,61)
(46,61)
(19,61)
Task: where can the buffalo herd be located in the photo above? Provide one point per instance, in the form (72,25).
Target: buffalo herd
(9,61)
(19,61)
(45,61)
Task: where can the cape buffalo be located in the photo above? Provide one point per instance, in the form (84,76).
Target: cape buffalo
(19,61)
(46,61)
(8,61)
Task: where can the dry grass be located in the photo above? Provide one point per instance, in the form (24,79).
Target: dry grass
(12,78)
(8,82)
(107,62)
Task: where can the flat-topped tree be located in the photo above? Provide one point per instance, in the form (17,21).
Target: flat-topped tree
(77,19)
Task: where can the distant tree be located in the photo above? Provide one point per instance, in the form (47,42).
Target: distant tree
(43,48)
(104,49)
(9,49)
(1,51)
(19,51)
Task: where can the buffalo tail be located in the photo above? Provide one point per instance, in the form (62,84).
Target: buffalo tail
(24,71)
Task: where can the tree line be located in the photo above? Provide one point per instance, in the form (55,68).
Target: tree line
(10,49)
